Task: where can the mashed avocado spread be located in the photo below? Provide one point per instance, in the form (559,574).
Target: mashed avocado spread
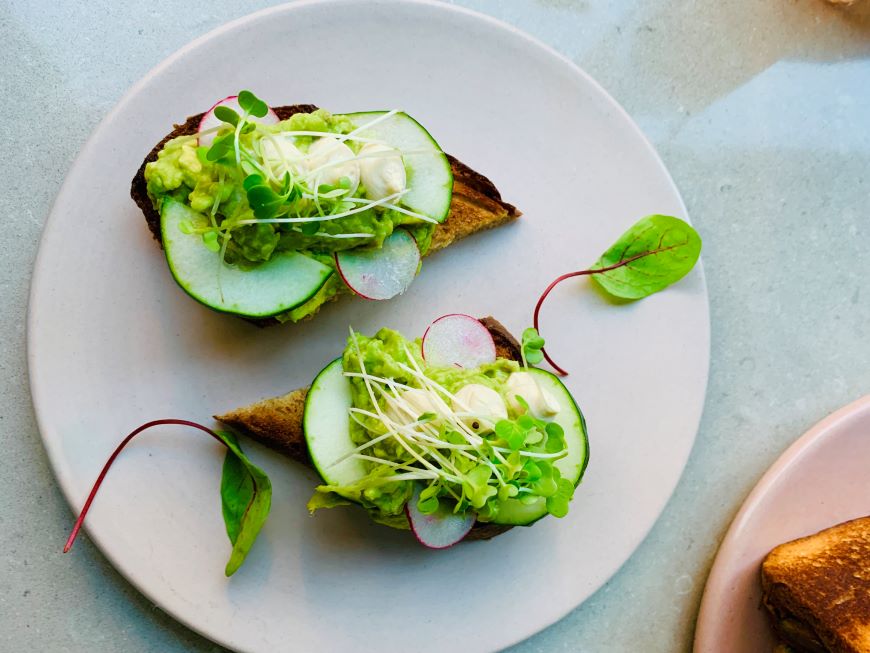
(460,432)
(290,186)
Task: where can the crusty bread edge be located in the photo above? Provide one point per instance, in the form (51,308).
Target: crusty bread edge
(778,596)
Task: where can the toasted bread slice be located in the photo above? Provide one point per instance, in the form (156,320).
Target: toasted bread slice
(817,589)
(476,204)
(277,422)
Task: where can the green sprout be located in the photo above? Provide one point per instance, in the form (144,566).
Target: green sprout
(226,114)
(252,105)
(532,344)
(210,240)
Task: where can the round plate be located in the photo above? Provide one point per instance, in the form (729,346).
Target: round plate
(821,480)
(113,342)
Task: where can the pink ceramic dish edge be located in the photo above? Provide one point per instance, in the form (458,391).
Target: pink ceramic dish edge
(819,481)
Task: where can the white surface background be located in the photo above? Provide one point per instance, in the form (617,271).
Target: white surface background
(761,112)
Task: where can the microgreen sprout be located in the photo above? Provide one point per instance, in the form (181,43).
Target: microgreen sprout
(329,216)
(264,201)
(252,105)
(226,114)
(210,240)
(531,346)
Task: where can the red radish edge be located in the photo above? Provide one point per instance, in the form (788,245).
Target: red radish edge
(160,422)
(335,258)
(207,116)
(560,279)
(455,315)
(344,279)
(212,108)
(415,528)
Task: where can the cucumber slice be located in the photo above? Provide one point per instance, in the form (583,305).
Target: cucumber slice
(572,466)
(325,423)
(287,280)
(430,177)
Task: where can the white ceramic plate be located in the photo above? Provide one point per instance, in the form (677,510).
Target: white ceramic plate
(113,342)
(820,480)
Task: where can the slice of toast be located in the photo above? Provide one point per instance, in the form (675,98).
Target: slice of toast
(277,422)
(817,589)
(476,204)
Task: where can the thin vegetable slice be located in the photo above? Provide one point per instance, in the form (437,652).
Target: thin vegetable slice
(458,339)
(439,529)
(381,273)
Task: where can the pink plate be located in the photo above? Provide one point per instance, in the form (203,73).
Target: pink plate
(820,480)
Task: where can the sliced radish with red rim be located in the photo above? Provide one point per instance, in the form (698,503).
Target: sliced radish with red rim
(381,273)
(438,530)
(210,121)
(459,340)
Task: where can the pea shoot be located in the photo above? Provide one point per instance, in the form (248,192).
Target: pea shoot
(531,347)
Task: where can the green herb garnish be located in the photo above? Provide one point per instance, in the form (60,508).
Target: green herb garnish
(531,346)
(246,492)
(655,252)
(252,105)
(246,497)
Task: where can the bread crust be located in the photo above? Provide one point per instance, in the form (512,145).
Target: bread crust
(817,589)
(277,422)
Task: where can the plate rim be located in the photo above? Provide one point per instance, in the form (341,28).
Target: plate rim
(39,403)
(718,579)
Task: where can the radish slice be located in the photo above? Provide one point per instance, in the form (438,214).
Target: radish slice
(210,121)
(458,339)
(381,273)
(442,528)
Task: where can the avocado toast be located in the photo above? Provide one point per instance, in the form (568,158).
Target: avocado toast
(273,237)
(293,425)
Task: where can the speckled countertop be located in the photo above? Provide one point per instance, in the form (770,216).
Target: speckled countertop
(761,111)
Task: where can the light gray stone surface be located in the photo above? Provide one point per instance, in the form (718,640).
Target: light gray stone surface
(761,111)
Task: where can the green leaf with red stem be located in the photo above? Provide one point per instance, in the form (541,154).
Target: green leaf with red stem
(246,492)
(654,253)
(246,498)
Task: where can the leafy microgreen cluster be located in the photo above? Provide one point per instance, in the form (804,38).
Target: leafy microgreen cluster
(531,347)
(226,145)
(654,253)
(540,475)
(264,200)
(463,461)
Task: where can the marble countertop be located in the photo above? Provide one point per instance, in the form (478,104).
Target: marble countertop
(761,111)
